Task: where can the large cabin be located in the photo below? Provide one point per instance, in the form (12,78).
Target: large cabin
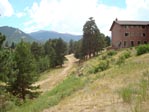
(129,33)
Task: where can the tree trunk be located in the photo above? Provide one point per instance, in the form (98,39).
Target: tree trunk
(23,94)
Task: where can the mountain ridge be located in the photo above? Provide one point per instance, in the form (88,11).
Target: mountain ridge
(44,35)
(15,34)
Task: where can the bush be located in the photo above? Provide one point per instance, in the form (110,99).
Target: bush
(142,49)
(120,60)
(103,65)
(111,53)
(104,57)
(126,54)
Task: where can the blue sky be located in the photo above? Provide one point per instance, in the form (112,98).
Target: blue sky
(69,16)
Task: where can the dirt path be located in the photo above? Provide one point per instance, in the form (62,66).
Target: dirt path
(54,79)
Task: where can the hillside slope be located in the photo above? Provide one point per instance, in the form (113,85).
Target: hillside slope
(15,35)
(54,79)
(123,86)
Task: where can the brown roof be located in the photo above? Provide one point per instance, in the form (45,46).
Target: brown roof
(133,22)
(129,23)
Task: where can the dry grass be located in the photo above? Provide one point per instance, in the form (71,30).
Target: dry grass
(101,93)
(52,78)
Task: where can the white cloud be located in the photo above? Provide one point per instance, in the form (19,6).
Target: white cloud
(70,15)
(6,8)
(20,14)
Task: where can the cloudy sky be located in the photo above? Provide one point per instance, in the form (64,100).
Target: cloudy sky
(69,16)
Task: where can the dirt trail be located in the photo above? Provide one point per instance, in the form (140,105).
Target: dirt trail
(54,79)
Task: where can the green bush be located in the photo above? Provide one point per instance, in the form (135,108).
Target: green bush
(103,65)
(126,54)
(122,57)
(142,49)
(95,70)
(111,53)
(120,60)
(104,57)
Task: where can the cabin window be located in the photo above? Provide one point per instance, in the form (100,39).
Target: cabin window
(145,42)
(119,45)
(143,34)
(139,42)
(143,27)
(126,34)
(132,43)
(124,43)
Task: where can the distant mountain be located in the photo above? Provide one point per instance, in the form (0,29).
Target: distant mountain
(45,35)
(15,35)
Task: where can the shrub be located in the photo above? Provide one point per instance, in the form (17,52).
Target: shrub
(126,54)
(120,60)
(104,57)
(142,49)
(111,53)
(122,57)
(95,70)
(103,65)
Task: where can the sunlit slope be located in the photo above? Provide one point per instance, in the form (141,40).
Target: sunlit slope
(116,82)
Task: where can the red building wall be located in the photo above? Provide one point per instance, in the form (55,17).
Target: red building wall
(136,34)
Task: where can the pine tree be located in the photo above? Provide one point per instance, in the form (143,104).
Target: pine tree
(60,49)
(7,66)
(108,41)
(91,38)
(71,47)
(37,50)
(12,45)
(50,53)
(26,75)
(78,49)
(2,39)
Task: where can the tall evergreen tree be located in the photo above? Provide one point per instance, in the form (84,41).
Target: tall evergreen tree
(50,53)
(91,38)
(71,46)
(108,41)
(37,50)
(78,49)
(60,49)
(2,39)
(26,75)
(13,45)
(7,65)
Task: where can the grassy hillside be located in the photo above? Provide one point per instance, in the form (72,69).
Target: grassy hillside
(115,81)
